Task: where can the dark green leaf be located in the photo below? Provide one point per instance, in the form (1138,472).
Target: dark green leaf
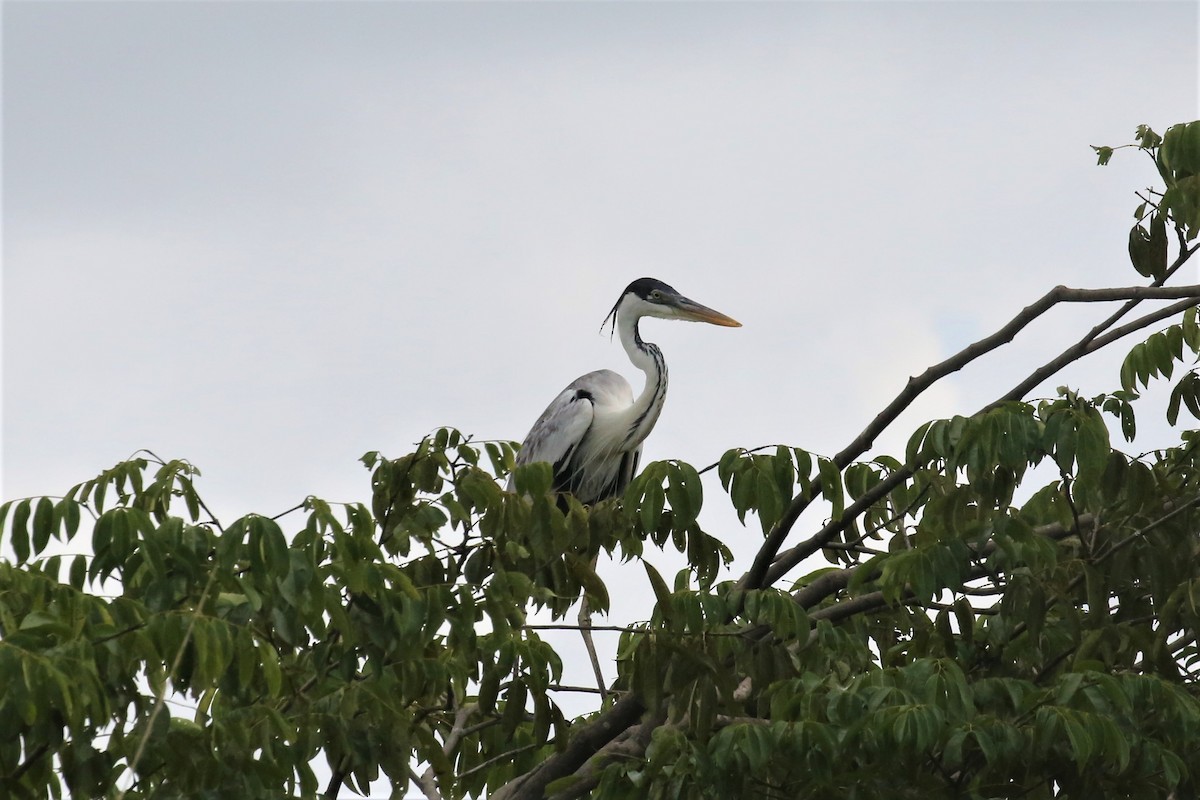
(661,593)
(19,533)
(43,523)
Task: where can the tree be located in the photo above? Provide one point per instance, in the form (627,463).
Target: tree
(1009,608)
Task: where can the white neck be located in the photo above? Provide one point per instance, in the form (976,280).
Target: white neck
(643,414)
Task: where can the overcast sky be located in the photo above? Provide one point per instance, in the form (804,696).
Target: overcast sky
(268,237)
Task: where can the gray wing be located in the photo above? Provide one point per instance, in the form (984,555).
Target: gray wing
(562,427)
(558,431)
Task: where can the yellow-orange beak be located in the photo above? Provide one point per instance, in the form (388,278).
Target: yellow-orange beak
(689,309)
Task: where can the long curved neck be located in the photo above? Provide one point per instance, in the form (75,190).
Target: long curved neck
(648,358)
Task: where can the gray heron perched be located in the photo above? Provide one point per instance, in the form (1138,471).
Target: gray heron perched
(592,433)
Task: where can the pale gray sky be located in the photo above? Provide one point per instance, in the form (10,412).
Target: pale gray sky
(268,237)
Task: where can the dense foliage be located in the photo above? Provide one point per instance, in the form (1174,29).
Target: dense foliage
(1009,608)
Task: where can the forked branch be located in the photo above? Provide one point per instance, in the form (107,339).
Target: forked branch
(767,568)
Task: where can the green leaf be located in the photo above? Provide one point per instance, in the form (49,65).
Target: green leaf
(541,717)
(533,479)
(693,486)
(43,524)
(1180,150)
(1092,447)
(803,467)
(1067,687)
(489,688)
(19,533)
(770,504)
(1129,369)
(1187,392)
(78,573)
(683,499)
(1082,744)
(66,514)
(1147,249)
(1146,137)
(269,660)
(726,466)
(831,485)
(651,509)
(514,707)
(581,570)
(661,593)
(916,444)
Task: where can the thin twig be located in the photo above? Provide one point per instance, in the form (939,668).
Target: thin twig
(558,687)
(496,759)
(282,514)
(566,627)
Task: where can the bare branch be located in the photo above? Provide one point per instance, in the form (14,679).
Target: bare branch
(426,783)
(814,543)
(767,568)
(1166,312)
(850,607)
(1092,342)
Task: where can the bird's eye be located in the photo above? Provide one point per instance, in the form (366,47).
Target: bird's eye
(656,295)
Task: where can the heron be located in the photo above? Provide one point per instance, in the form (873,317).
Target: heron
(592,433)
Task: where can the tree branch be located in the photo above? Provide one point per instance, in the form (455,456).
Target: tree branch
(31,758)
(558,687)
(1165,312)
(1084,346)
(334,787)
(426,783)
(834,581)
(765,572)
(630,745)
(507,756)
(582,746)
(427,780)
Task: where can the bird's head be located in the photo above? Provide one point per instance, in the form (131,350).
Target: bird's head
(647,297)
